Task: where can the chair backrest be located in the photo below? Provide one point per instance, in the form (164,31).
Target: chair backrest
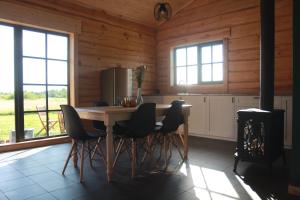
(42,113)
(73,125)
(173,118)
(142,121)
(99,125)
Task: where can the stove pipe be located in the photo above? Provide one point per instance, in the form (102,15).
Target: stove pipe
(267,54)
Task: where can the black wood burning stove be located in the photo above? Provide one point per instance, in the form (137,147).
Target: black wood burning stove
(260,131)
(260,136)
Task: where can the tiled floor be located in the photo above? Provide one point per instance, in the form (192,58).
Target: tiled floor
(36,174)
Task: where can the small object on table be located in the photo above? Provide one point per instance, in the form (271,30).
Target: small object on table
(129,102)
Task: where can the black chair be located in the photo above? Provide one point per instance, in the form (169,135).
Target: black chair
(141,124)
(99,127)
(168,129)
(75,130)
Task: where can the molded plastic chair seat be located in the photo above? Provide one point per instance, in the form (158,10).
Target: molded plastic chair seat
(75,130)
(169,126)
(141,124)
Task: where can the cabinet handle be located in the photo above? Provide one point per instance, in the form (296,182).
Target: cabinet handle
(232,99)
(204,99)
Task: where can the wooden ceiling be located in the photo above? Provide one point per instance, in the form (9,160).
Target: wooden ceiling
(139,11)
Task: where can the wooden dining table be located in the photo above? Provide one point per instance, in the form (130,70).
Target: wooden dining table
(111,114)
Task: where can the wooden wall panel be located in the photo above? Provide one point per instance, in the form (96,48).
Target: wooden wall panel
(104,42)
(242,18)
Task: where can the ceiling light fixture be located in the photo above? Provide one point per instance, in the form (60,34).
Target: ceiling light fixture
(162,11)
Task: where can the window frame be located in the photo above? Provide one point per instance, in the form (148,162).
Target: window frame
(18,78)
(199,63)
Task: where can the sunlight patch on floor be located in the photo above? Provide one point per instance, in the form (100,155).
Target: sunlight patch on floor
(210,184)
(23,154)
(248,189)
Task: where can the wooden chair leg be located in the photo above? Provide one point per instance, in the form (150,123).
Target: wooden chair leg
(161,148)
(100,151)
(119,148)
(81,162)
(96,146)
(148,149)
(75,152)
(176,144)
(133,158)
(165,150)
(89,152)
(67,161)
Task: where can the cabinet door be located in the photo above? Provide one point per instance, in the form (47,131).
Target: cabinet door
(222,117)
(287,105)
(199,115)
(153,99)
(169,99)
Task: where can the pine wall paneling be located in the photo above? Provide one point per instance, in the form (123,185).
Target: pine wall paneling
(242,18)
(104,42)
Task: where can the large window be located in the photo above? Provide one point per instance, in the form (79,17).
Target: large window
(35,82)
(199,64)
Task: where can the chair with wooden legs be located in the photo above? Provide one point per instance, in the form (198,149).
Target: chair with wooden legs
(141,124)
(61,122)
(43,118)
(99,127)
(168,130)
(75,130)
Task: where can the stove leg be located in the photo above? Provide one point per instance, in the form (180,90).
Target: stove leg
(283,158)
(236,161)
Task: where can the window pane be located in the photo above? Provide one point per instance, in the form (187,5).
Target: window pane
(57,47)
(181,57)
(192,56)
(206,73)
(218,53)
(57,95)
(181,75)
(34,71)
(7,103)
(33,44)
(206,54)
(34,96)
(57,72)
(56,124)
(218,72)
(192,75)
(33,125)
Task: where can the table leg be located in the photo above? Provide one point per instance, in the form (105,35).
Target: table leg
(186,136)
(109,152)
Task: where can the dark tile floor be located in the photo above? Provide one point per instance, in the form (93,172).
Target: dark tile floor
(36,174)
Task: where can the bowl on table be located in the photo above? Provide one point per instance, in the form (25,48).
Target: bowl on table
(129,102)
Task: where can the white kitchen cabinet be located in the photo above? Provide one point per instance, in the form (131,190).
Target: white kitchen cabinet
(199,115)
(153,99)
(214,116)
(221,120)
(245,102)
(169,99)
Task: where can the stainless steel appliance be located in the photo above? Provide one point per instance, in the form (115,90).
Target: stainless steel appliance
(116,83)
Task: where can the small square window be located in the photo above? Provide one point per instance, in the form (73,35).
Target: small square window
(202,63)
